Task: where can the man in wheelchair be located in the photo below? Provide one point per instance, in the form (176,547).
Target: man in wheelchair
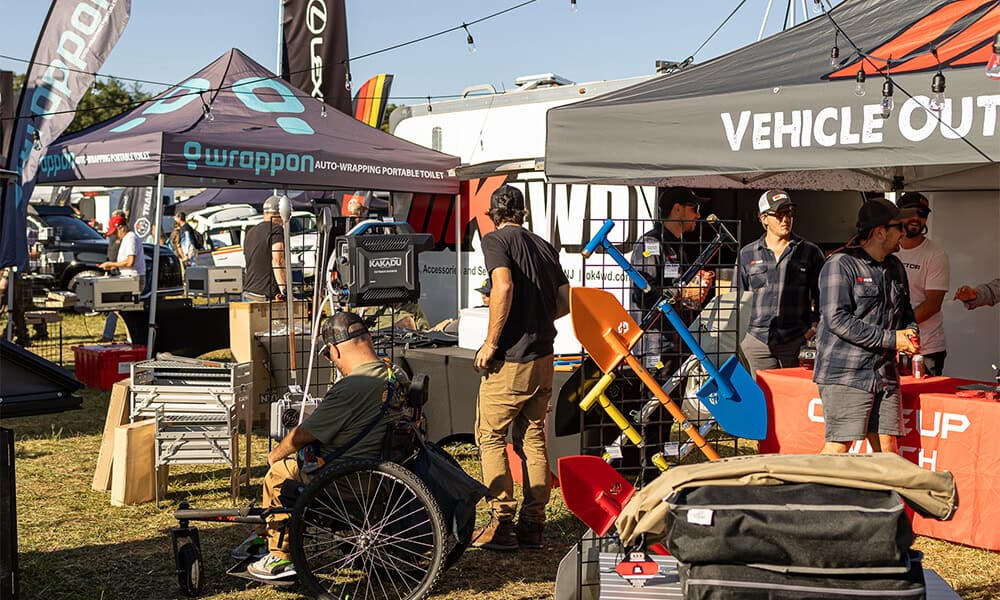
(350,422)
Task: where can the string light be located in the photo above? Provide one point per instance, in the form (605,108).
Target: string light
(471,43)
(937,86)
(817,6)
(993,64)
(859,86)
(887,88)
(347,76)
(572,6)
(207,109)
(835,51)
(322,108)
(36,140)
(429,107)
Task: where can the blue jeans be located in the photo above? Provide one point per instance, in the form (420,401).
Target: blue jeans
(110,324)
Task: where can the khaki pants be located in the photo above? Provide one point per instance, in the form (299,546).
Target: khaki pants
(279,472)
(518,395)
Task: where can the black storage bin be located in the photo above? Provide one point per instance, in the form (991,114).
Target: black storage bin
(740,582)
(801,527)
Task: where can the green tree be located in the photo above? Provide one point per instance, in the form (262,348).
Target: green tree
(388,111)
(105,99)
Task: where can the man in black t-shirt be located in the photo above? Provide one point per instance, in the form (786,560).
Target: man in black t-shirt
(529,291)
(264,257)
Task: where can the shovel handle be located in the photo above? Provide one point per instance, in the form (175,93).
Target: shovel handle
(725,388)
(596,391)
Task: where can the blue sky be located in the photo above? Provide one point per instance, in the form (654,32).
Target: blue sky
(167,40)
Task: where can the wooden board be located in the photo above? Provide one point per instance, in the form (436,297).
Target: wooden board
(133,480)
(117,415)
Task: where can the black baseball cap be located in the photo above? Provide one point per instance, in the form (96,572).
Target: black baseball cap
(879,211)
(914,200)
(341,327)
(677,195)
(773,201)
(486,288)
(507,196)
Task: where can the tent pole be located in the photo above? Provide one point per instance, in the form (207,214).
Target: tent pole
(767,13)
(458,251)
(155,284)
(10,304)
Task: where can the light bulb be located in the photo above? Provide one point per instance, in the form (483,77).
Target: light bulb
(937,92)
(817,7)
(322,110)
(36,140)
(993,64)
(859,87)
(471,43)
(572,6)
(887,103)
(208,112)
(834,56)
(347,82)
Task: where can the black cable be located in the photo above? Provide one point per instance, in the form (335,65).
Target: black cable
(721,25)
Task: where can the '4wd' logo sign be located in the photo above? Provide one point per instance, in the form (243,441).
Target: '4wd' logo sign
(962,32)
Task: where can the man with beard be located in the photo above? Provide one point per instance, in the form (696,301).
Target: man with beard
(928,271)
(782,271)
(865,319)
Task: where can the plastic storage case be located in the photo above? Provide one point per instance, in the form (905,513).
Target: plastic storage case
(101,366)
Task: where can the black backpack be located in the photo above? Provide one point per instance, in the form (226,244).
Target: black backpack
(196,237)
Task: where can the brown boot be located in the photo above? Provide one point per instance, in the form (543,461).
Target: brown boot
(529,534)
(495,535)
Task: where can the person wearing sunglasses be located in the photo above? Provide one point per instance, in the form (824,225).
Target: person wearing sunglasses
(782,271)
(865,319)
(928,272)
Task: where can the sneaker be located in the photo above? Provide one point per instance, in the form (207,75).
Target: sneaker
(495,535)
(271,567)
(253,547)
(529,534)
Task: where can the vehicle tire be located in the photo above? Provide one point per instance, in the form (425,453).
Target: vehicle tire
(189,569)
(75,279)
(365,529)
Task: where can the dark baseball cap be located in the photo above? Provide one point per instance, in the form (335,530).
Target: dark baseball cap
(914,200)
(773,201)
(507,196)
(677,195)
(486,288)
(879,211)
(341,327)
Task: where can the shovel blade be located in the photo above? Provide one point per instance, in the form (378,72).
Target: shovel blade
(593,491)
(596,313)
(745,414)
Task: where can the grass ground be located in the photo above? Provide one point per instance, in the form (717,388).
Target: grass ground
(74,544)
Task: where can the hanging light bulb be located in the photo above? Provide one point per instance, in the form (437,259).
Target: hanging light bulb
(859,87)
(468,39)
(347,78)
(887,103)
(429,107)
(207,110)
(834,55)
(322,109)
(572,6)
(817,6)
(36,140)
(937,92)
(993,64)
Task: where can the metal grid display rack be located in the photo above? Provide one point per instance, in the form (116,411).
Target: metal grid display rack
(198,407)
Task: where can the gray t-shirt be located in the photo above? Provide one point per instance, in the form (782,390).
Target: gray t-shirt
(348,407)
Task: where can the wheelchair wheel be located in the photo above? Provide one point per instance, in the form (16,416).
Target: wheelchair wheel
(189,569)
(367,529)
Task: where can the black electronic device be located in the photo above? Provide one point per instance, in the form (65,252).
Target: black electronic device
(379,268)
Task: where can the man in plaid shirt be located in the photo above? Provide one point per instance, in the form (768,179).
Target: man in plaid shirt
(865,319)
(782,271)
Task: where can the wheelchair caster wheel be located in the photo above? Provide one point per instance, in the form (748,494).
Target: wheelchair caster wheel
(189,569)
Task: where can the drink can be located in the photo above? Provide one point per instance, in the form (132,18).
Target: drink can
(918,366)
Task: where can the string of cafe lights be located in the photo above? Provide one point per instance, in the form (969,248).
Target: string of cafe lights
(213,91)
(937,99)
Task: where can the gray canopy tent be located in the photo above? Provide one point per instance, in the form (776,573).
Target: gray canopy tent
(234,124)
(777,114)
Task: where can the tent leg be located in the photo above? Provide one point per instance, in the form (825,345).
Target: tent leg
(155,284)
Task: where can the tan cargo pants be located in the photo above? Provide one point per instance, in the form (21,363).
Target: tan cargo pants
(277,474)
(515,397)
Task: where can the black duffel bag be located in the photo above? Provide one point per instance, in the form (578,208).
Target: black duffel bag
(799,526)
(740,582)
(455,492)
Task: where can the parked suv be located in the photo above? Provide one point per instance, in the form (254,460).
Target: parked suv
(71,249)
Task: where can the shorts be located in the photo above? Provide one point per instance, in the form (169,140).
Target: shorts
(851,413)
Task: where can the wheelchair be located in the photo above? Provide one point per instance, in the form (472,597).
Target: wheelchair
(357,529)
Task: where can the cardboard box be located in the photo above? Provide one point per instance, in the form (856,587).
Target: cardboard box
(248,318)
(133,475)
